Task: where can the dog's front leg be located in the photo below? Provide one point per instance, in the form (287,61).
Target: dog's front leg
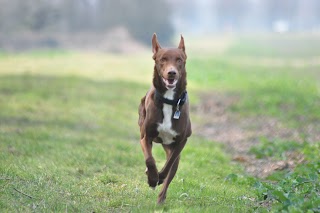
(151,171)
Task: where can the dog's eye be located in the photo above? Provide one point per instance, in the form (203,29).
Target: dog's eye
(162,60)
(179,60)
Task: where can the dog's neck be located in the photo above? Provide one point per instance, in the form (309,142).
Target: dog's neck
(167,98)
(169,94)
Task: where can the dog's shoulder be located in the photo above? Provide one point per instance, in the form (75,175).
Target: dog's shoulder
(142,111)
(145,103)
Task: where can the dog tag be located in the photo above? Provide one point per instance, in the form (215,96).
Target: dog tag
(176,115)
(177,112)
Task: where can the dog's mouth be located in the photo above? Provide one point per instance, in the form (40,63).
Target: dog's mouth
(170,83)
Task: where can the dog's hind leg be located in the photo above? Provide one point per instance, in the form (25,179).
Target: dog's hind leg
(167,181)
(172,155)
(152,172)
(168,150)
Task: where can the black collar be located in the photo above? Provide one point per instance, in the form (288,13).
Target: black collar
(180,101)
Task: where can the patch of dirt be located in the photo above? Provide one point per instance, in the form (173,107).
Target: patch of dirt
(239,134)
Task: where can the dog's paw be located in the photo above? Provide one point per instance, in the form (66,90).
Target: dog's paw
(152,187)
(152,173)
(162,197)
(161,178)
(153,182)
(153,177)
(160,181)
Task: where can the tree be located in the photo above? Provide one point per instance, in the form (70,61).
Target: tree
(141,18)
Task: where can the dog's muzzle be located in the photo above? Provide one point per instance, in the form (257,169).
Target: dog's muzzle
(170,83)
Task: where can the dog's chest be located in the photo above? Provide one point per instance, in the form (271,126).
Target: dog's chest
(166,133)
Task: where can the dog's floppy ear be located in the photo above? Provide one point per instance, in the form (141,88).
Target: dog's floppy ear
(155,44)
(181,45)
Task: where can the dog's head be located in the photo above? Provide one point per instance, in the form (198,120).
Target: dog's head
(169,69)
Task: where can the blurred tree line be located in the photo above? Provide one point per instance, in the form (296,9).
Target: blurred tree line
(141,18)
(299,14)
(63,23)
(202,16)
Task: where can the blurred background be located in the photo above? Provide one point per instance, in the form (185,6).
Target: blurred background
(124,25)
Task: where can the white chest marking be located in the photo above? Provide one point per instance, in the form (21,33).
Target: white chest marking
(166,133)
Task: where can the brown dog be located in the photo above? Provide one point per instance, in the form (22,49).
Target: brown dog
(164,114)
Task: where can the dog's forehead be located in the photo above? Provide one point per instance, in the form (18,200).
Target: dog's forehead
(171,52)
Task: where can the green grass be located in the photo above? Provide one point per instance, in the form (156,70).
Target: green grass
(291,191)
(275,149)
(277,46)
(72,144)
(69,138)
(289,93)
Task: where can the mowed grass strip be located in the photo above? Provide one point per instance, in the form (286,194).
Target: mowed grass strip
(70,143)
(285,85)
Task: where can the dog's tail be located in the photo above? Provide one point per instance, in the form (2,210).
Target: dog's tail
(142,111)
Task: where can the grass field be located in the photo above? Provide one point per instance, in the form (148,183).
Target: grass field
(69,138)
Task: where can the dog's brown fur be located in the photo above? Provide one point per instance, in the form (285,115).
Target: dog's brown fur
(169,74)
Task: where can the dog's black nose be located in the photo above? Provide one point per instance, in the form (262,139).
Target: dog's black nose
(172,73)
